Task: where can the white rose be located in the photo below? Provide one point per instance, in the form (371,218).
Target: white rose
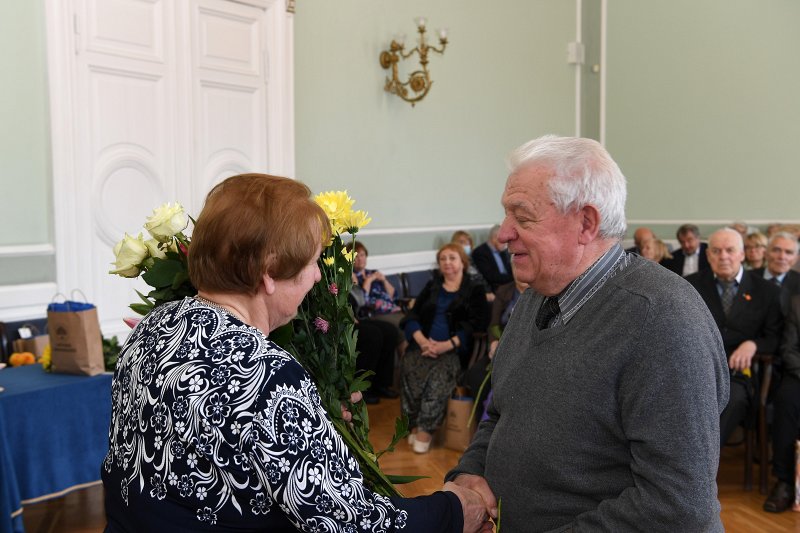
(166,222)
(130,252)
(155,251)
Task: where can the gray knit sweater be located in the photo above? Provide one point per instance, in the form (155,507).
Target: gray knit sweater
(611,422)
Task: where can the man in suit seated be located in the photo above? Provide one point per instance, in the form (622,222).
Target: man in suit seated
(639,236)
(691,257)
(748,313)
(786,415)
(781,256)
(492,260)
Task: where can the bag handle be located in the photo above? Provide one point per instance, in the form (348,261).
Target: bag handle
(80,292)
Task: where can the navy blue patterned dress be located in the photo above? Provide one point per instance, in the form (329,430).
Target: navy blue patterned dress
(215,428)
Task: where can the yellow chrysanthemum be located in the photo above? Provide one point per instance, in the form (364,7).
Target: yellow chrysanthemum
(328,261)
(355,220)
(351,255)
(336,204)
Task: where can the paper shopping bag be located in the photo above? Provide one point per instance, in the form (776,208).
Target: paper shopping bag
(31,340)
(458,432)
(75,338)
(35,345)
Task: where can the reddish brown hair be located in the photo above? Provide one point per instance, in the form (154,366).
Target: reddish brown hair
(457,248)
(254,224)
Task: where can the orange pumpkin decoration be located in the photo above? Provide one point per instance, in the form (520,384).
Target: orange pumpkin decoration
(21,358)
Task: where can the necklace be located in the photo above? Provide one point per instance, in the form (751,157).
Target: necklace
(217,306)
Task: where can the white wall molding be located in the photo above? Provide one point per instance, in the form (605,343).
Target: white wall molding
(26,250)
(708,221)
(21,302)
(423,229)
(405,262)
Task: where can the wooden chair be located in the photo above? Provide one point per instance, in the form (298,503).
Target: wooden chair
(756,432)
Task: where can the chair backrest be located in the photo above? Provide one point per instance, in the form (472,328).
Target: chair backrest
(9,332)
(415,282)
(397,282)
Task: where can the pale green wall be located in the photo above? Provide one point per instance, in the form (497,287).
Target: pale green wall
(24,136)
(25,162)
(704,107)
(503,80)
(703,111)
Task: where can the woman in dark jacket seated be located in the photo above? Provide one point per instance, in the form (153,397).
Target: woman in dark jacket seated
(439,328)
(216,428)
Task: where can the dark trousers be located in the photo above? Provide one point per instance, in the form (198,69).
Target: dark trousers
(376,345)
(785,422)
(736,410)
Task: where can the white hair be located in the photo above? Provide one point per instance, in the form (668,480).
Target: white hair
(783,235)
(583,174)
(731,231)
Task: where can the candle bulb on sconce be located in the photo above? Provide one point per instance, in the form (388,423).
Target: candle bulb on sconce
(419,81)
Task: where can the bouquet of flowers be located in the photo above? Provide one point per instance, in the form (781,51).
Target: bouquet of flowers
(324,341)
(321,337)
(160,260)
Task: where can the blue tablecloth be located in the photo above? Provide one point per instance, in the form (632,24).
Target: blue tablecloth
(53,435)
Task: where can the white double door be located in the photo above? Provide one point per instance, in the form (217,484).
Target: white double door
(155,101)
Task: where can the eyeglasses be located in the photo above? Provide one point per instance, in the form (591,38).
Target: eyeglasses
(754,246)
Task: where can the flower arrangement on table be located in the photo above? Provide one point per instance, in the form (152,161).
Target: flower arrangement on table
(321,337)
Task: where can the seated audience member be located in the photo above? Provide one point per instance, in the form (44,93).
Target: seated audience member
(786,416)
(755,246)
(773,228)
(639,236)
(464,239)
(691,257)
(493,260)
(781,256)
(378,292)
(747,311)
(742,228)
(439,329)
(506,298)
(377,340)
(656,250)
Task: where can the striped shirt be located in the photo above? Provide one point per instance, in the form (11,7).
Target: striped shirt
(587,284)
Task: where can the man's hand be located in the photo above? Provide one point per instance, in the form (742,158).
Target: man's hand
(493,348)
(476,518)
(479,485)
(742,356)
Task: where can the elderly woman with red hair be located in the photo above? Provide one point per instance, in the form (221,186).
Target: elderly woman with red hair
(439,329)
(215,427)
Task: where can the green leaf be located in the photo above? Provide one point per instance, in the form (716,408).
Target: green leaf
(162,273)
(141,309)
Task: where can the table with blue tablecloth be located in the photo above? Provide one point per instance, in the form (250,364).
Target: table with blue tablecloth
(53,436)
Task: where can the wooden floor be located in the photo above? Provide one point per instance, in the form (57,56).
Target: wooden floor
(82,511)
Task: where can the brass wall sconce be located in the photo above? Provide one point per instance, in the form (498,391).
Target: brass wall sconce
(419,80)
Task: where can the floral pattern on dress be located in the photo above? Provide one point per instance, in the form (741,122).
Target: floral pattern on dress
(213,418)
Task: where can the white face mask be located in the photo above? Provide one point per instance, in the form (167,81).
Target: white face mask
(467,249)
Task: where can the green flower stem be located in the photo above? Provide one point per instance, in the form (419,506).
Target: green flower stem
(369,466)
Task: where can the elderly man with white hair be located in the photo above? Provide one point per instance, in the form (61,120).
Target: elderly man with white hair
(747,311)
(601,418)
(781,256)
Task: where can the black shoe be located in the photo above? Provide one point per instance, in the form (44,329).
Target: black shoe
(386,392)
(780,498)
(370,398)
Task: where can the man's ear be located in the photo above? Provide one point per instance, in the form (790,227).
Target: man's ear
(590,224)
